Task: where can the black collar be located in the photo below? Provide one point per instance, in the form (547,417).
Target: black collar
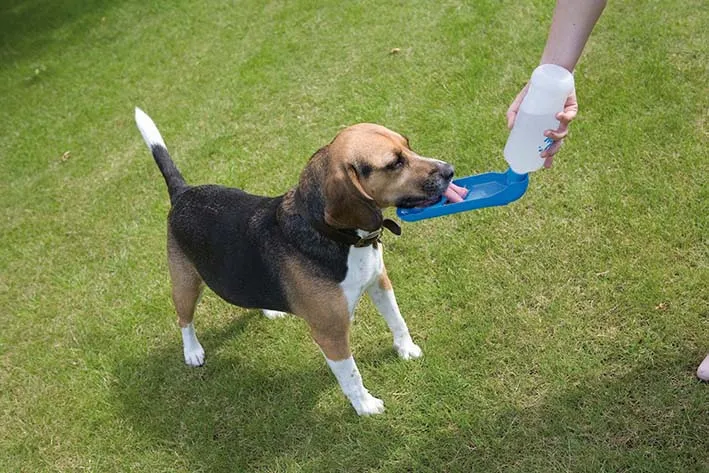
(350,237)
(347,236)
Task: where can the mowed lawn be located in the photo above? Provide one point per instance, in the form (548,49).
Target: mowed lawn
(560,333)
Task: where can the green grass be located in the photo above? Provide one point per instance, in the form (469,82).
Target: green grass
(561,333)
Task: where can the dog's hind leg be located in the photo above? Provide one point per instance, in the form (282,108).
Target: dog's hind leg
(382,295)
(187,288)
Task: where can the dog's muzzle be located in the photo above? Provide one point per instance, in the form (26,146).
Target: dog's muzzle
(432,188)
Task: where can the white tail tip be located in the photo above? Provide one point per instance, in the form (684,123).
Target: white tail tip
(147,128)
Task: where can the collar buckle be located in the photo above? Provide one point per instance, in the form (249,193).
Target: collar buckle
(371,239)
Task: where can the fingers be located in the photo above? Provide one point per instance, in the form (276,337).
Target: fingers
(571,108)
(558,134)
(558,137)
(511,117)
(566,116)
(514,107)
(551,151)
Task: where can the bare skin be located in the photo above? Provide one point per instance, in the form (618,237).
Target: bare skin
(570,29)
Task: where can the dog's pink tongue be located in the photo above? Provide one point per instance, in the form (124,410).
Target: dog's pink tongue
(455,193)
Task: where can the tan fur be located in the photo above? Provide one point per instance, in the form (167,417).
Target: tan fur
(384,281)
(187,285)
(323,306)
(354,198)
(378,146)
(346,206)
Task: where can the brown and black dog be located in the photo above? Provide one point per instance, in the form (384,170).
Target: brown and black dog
(312,252)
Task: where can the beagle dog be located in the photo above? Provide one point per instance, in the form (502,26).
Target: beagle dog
(311,252)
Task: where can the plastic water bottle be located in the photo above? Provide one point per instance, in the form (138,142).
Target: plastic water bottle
(549,88)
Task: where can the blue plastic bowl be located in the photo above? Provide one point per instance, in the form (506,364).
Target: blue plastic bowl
(484,190)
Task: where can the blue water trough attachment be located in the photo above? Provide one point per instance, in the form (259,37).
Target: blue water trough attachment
(484,190)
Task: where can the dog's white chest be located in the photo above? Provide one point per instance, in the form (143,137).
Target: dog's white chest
(364,265)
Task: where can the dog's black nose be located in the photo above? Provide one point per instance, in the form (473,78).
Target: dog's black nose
(446,171)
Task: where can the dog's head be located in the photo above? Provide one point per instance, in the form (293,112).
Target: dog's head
(367,168)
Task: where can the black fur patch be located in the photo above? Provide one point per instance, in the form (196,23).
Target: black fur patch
(238,241)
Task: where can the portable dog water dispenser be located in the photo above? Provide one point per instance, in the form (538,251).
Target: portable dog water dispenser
(484,190)
(549,88)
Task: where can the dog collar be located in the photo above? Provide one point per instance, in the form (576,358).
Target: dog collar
(346,236)
(350,237)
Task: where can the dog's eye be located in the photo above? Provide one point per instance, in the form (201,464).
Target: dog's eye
(398,163)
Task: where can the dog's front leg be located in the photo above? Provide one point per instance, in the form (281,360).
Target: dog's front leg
(382,295)
(350,381)
(334,344)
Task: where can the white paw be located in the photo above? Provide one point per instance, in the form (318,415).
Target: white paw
(367,405)
(194,356)
(408,350)
(274,314)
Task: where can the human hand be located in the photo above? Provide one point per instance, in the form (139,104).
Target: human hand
(571,107)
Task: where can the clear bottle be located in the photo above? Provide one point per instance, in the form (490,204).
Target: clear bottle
(549,88)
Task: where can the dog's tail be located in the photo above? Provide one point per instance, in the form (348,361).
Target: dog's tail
(175,182)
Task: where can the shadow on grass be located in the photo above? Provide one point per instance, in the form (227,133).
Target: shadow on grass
(237,414)
(234,414)
(27,26)
(652,419)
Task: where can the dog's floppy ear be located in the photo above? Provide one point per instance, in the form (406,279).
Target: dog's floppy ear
(347,204)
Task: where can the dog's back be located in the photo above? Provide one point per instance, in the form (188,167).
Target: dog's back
(204,221)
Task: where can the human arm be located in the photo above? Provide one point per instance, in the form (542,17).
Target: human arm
(570,29)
